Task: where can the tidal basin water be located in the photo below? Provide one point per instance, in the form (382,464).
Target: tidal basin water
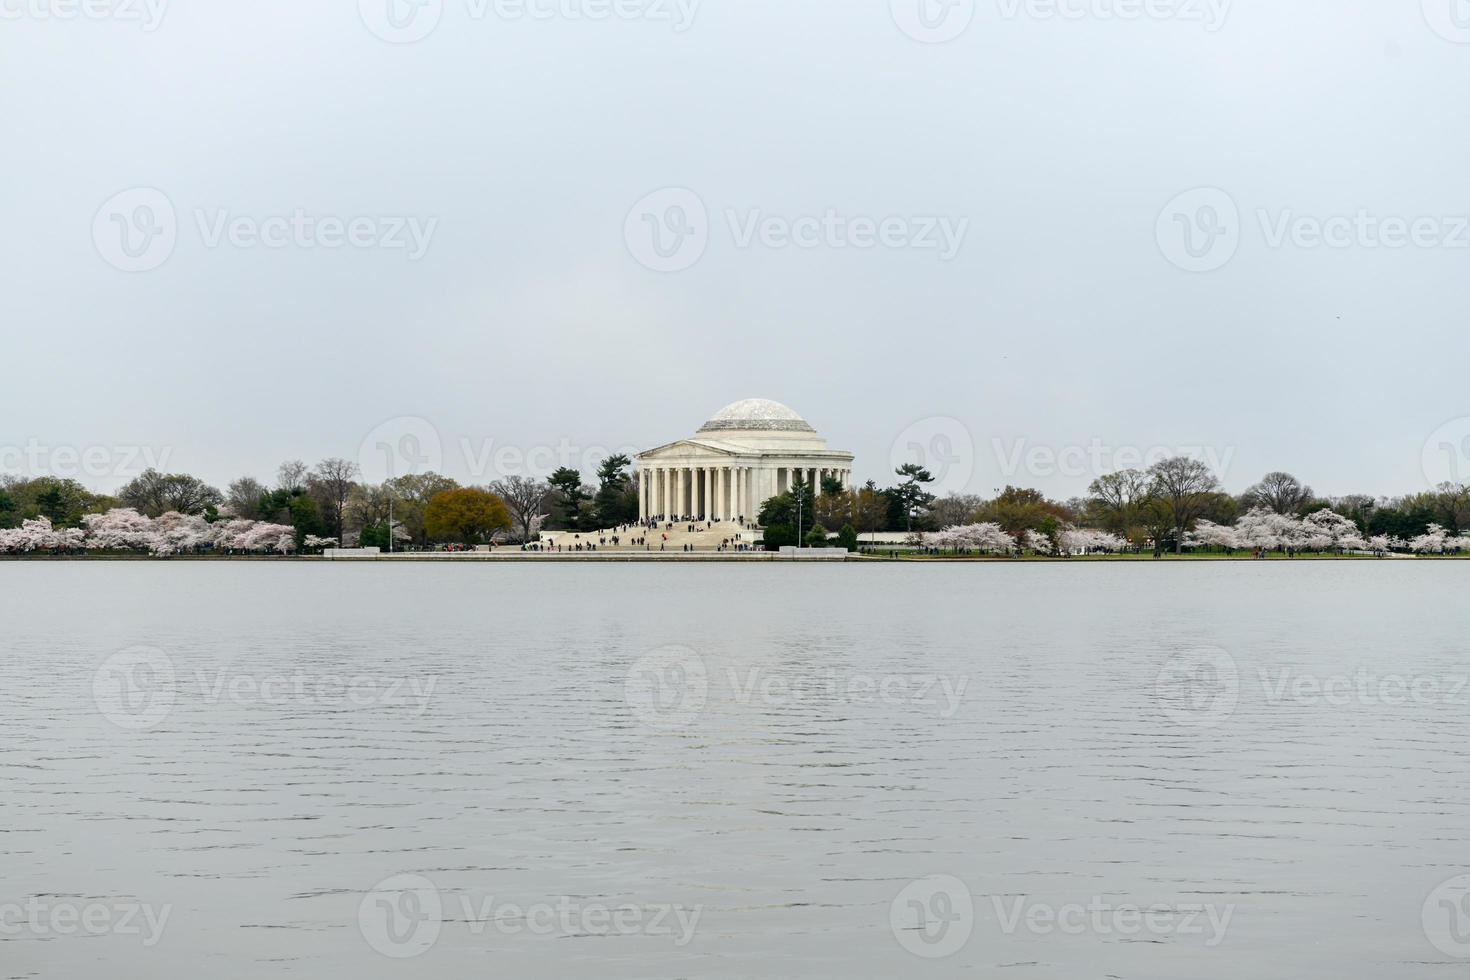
(573,770)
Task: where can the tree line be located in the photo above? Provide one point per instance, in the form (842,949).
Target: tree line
(330,503)
(1158,508)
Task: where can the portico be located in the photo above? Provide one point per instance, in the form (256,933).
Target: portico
(749,452)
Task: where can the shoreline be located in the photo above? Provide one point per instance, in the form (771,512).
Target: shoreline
(747,557)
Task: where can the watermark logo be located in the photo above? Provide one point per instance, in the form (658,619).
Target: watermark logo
(667,688)
(1446,455)
(1450,19)
(136,230)
(401,21)
(137,688)
(1199,230)
(668,230)
(943,446)
(1446,917)
(402,916)
(134,688)
(933,21)
(1198,688)
(403,446)
(933,917)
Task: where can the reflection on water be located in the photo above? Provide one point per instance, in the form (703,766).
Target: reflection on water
(1222,770)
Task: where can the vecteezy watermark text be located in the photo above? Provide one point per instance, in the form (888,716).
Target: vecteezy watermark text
(137,688)
(934,917)
(405,915)
(47,917)
(407,21)
(670,230)
(148,14)
(36,458)
(1202,229)
(409,445)
(1096,458)
(670,688)
(137,230)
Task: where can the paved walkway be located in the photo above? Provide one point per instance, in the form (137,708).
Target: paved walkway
(702,539)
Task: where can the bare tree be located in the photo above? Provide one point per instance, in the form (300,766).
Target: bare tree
(243,497)
(870,510)
(1185,486)
(1281,492)
(332,481)
(291,476)
(955,509)
(1454,504)
(1119,496)
(154,493)
(524,497)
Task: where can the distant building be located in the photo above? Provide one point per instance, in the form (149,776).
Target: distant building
(749,452)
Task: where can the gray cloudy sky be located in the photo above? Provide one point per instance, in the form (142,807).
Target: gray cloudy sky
(961,227)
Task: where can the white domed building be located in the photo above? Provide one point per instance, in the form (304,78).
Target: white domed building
(747,453)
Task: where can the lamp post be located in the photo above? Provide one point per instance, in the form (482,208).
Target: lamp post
(799,496)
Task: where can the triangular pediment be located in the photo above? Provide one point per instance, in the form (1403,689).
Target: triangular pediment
(690,449)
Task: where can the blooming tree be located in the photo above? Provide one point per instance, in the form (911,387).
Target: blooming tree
(1087,540)
(1432,542)
(1211,535)
(984,538)
(38,535)
(120,529)
(1037,542)
(1327,530)
(175,533)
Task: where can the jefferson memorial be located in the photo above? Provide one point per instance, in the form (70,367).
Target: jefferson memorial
(749,452)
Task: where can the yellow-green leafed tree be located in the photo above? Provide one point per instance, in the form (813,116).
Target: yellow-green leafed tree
(465,515)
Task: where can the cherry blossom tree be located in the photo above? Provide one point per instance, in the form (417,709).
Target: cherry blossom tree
(983,538)
(32,535)
(1328,530)
(1037,542)
(1208,534)
(119,529)
(1087,540)
(175,533)
(1432,542)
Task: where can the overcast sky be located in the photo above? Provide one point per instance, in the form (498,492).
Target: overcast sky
(960,228)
